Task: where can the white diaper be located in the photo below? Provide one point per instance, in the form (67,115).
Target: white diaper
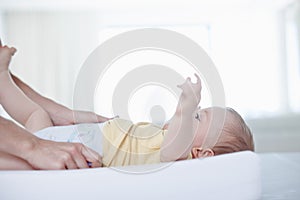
(87,134)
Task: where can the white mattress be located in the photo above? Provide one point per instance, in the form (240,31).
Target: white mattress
(231,176)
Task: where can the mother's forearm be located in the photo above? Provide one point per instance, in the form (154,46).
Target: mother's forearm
(15,140)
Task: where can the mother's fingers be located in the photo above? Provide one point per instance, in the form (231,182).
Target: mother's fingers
(81,155)
(68,160)
(71,165)
(76,156)
(79,159)
(91,156)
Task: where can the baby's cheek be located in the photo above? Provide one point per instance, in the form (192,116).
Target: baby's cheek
(199,135)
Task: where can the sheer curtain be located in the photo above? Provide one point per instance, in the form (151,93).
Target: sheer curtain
(245,45)
(52,46)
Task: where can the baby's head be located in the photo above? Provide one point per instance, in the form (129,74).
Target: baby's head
(234,135)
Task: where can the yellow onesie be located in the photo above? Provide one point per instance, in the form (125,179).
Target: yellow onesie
(125,143)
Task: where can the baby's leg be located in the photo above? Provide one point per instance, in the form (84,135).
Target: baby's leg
(20,107)
(9,162)
(16,103)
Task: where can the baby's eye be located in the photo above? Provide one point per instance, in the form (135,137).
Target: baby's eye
(197,116)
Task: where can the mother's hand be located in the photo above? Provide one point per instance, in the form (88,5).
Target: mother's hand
(44,154)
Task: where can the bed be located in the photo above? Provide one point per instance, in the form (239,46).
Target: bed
(232,176)
(236,176)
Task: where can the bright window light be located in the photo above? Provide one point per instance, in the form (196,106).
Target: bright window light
(246,54)
(293,65)
(142,100)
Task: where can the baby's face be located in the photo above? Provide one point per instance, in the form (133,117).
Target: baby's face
(208,120)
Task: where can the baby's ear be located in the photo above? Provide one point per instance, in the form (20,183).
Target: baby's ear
(202,153)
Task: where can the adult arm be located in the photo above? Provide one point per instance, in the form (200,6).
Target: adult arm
(178,141)
(43,154)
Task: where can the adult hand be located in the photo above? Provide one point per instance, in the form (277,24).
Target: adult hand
(44,154)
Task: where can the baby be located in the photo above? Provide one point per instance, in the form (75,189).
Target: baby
(191,133)
(124,143)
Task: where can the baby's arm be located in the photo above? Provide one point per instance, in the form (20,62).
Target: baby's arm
(15,102)
(178,141)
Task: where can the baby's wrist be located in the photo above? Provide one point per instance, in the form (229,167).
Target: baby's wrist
(186,108)
(189,103)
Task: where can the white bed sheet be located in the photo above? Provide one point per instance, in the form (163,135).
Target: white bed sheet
(232,176)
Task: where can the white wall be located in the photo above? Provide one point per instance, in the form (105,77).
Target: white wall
(276,134)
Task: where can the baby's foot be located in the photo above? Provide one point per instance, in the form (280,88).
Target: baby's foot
(5,56)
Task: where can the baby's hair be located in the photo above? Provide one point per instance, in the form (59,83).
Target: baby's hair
(235,136)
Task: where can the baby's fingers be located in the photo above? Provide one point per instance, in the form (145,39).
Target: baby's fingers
(187,81)
(198,83)
(198,78)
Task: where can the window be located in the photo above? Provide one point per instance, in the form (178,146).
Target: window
(292,28)
(255,49)
(248,53)
(143,100)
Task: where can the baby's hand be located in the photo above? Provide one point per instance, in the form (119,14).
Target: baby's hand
(191,92)
(5,56)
